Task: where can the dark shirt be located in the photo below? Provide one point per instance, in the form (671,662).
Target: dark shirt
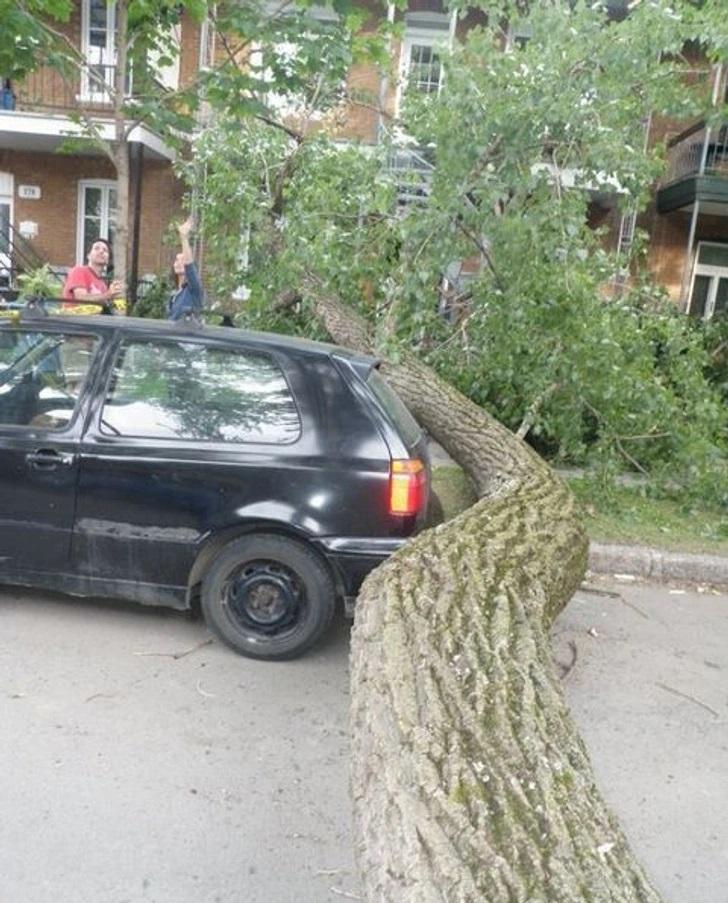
(188,299)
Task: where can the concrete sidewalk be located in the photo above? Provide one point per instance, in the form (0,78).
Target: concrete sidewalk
(658,564)
(638,561)
(647,686)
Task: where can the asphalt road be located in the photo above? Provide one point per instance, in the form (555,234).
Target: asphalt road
(649,691)
(128,774)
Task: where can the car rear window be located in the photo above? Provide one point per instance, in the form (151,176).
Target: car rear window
(405,423)
(187,390)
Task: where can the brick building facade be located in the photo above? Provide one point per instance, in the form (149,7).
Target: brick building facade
(53,203)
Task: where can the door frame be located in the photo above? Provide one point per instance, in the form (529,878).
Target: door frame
(714,273)
(105,185)
(7,195)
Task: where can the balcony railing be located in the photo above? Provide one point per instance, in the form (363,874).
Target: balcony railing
(698,150)
(47,89)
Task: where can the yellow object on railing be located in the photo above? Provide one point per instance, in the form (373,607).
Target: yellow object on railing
(56,306)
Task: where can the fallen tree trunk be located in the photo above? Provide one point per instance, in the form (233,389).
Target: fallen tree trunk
(470,782)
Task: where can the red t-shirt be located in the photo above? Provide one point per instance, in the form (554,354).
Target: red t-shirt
(85,278)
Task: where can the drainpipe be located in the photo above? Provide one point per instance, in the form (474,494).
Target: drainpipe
(384,78)
(452,29)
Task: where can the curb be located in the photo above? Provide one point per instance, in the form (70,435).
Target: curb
(657,564)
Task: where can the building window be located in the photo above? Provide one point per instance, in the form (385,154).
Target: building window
(421,60)
(424,68)
(99,51)
(96,215)
(709,292)
(288,59)
(519,34)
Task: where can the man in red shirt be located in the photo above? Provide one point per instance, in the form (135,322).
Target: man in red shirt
(86,283)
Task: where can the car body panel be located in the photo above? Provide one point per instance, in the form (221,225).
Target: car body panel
(133,516)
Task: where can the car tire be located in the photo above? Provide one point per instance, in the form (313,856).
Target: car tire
(268,596)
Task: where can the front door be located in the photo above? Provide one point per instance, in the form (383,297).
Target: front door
(709,296)
(42,374)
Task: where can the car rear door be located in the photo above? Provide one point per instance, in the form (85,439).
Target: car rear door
(44,372)
(188,433)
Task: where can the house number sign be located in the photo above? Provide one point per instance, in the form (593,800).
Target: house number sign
(29,192)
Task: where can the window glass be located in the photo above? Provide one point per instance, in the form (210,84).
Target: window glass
(721,297)
(395,407)
(98,216)
(424,69)
(713,255)
(41,375)
(185,390)
(4,228)
(699,300)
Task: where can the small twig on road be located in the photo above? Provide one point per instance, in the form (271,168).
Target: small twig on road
(344,893)
(100,696)
(635,608)
(204,692)
(568,668)
(689,698)
(178,655)
(587,588)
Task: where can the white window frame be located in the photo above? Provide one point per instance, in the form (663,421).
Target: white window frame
(436,35)
(7,196)
(90,92)
(715,273)
(106,185)
(168,76)
(282,104)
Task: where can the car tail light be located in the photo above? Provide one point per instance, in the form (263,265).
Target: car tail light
(407,486)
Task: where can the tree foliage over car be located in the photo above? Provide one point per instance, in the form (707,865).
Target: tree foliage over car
(544,332)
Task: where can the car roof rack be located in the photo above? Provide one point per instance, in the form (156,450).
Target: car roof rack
(190,322)
(36,308)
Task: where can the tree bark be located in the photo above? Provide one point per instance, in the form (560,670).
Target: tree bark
(470,782)
(120,145)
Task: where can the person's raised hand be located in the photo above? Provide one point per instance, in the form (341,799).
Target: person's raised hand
(186,227)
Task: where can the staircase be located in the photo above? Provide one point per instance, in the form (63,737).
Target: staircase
(17,256)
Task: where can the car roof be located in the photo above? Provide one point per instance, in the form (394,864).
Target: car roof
(184,329)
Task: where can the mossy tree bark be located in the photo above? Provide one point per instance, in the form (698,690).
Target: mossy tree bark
(470,782)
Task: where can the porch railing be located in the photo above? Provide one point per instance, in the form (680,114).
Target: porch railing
(47,89)
(17,255)
(699,150)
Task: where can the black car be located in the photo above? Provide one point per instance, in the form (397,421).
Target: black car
(168,463)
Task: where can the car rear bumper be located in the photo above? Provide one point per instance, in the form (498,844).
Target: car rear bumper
(353,557)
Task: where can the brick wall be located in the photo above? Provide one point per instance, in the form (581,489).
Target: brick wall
(56,213)
(669,234)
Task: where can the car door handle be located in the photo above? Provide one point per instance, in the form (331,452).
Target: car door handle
(49,459)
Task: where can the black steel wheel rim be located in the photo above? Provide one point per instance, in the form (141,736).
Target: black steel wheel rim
(265,597)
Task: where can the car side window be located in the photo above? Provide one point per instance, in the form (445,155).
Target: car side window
(41,375)
(188,390)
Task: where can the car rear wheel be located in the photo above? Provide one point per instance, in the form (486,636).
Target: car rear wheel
(268,596)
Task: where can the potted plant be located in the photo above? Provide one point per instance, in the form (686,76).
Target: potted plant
(39,284)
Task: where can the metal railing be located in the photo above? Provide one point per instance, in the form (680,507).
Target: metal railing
(17,256)
(48,89)
(699,150)
(412,172)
